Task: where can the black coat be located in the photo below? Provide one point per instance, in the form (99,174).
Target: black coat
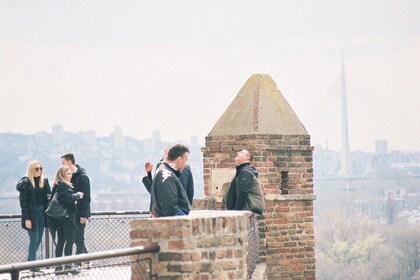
(168,194)
(27,200)
(81,183)
(244,192)
(186,179)
(67,198)
(187,182)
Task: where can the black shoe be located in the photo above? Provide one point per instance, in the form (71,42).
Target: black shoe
(74,272)
(71,269)
(59,271)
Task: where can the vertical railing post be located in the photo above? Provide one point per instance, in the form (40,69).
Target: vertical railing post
(47,243)
(14,275)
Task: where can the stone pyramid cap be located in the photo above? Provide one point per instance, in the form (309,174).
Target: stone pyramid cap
(259,108)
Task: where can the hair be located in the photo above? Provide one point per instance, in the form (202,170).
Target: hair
(69,157)
(165,153)
(176,151)
(60,176)
(250,156)
(31,171)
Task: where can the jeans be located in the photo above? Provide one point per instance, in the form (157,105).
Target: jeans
(80,238)
(181,212)
(36,232)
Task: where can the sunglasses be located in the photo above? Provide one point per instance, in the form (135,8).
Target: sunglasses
(38,168)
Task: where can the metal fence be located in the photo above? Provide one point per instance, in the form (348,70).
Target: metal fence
(104,231)
(138,266)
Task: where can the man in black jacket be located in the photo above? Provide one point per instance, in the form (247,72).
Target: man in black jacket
(168,195)
(186,176)
(80,183)
(244,192)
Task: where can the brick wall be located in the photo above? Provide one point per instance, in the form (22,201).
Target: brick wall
(273,154)
(202,245)
(290,237)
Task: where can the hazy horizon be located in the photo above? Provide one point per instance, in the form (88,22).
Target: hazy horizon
(175,66)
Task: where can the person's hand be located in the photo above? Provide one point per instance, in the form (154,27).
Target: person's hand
(28,224)
(80,194)
(82,220)
(148,166)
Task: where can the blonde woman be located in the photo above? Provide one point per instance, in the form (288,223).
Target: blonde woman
(34,192)
(66,227)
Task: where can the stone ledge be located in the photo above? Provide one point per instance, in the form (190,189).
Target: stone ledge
(290,197)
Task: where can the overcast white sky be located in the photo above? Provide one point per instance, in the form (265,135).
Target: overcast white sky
(175,66)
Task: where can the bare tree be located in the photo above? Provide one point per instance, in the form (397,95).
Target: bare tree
(406,241)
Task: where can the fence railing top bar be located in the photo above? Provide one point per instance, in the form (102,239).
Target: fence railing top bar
(9,216)
(125,212)
(152,248)
(94,213)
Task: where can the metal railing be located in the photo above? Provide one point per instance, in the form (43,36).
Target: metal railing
(138,267)
(104,231)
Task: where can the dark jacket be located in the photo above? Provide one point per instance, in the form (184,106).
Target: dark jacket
(186,179)
(187,182)
(81,183)
(27,199)
(244,192)
(168,195)
(67,198)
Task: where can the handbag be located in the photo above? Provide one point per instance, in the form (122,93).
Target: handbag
(55,209)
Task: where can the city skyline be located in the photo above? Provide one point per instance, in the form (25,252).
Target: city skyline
(381,146)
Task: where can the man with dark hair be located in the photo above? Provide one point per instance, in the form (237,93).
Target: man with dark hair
(80,183)
(244,192)
(186,176)
(168,195)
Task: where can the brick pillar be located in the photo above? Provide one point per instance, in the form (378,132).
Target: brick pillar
(275,156)
(290,236)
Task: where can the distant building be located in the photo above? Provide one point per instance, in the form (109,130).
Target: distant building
(118,138)
(89,137)
(381,147)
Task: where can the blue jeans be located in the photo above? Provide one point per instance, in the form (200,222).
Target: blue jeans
(181,212)
(36,232)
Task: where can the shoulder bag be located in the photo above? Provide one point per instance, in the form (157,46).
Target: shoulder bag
(55,209)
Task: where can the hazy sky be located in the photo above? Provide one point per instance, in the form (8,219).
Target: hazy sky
(175,66)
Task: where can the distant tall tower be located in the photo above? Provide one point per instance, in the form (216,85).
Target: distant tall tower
(345,146)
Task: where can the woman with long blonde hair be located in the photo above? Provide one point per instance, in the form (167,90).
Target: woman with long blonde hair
(34,193)
(66,227)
